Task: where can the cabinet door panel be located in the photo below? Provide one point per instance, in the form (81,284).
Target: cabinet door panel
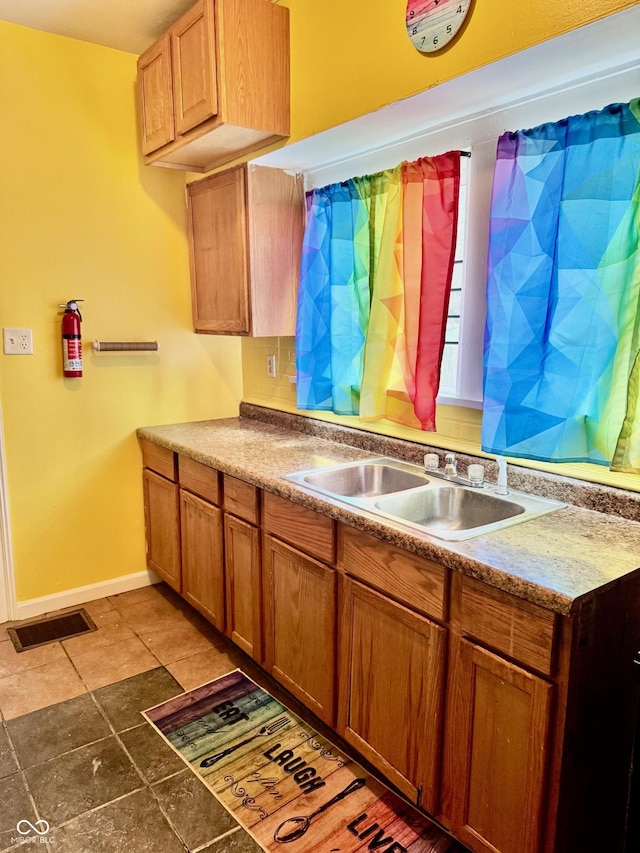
(243,592)
(391,689)
(202,557)
(162,527)
(300,622)
(155,96)
(193,62)
(218,253)
(496,752)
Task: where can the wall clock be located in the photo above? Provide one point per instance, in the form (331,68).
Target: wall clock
(432,24)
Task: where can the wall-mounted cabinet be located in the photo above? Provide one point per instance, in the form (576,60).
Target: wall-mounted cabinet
(245,238)
(216,85)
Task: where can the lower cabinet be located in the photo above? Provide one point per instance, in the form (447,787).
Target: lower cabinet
(299,610)
(243,585)
(496,751)
(392,666)
(202,557)
(162,527)
(510,723)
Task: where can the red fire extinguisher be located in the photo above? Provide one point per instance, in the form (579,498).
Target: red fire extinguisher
(71,338)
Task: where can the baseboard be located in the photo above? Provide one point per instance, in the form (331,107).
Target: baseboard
(82,594)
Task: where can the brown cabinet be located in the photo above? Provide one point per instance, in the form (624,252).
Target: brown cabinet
(162,527)
(511,723)
(391,689)
(499,724)
(202,557)
(216,85)
(243,580)
(161,512)
(300,602)
(299,612)
(201,528)
(497,765)
(195,97)
(157,126)
(245,237)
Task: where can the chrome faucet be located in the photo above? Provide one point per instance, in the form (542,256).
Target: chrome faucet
(450,471)
(450,466)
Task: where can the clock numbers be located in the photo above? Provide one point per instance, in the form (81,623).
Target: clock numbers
(432,24)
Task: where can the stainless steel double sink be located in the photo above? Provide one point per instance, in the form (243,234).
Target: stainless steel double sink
(404,494)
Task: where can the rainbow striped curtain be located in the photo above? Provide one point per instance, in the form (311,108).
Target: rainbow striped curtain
(562,343)
(375,278)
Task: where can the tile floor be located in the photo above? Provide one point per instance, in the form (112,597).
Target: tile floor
(75,752)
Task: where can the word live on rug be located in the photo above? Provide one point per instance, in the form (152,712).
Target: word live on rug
(286,784)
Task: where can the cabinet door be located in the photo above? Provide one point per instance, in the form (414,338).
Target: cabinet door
(162,527)
(242,576)
(194,67)
(391,689)
(202,557)
(496,750)
(155,96)
(218,253)
(299,613)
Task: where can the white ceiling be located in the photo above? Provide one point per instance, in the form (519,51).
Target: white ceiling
(130,25)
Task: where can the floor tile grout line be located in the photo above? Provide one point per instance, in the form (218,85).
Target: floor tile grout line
(224,835)
(146,783)
(97,808)
(11,744)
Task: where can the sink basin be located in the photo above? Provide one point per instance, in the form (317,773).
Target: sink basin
(449,508)
(364,479)
(404,496)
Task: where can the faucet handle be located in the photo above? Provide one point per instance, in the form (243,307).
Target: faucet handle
(475,474)
(431,461)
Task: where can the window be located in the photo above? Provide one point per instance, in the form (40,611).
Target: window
(451,352)
(446,120)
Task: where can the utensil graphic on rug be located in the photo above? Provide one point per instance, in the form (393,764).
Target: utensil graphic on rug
(294,828)
(269,729)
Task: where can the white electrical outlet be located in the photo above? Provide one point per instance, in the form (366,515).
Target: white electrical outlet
(18,341)
(271,366)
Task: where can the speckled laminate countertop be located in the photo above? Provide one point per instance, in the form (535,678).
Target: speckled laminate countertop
(552,561)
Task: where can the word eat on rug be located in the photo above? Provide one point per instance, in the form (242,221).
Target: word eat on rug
(288,786)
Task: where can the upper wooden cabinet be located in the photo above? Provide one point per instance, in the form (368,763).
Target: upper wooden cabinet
(245,238)
(216,85)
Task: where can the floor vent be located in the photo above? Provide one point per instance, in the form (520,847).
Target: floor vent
(51,630)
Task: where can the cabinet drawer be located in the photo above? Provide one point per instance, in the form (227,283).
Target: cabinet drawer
(410,579)
(510,625)
(159,459)
(304,528)
(199,479)
(242,499)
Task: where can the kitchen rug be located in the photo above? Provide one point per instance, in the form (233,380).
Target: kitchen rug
(287,785)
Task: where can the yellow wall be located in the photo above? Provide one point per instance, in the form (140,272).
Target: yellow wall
(81,217)
(351,58)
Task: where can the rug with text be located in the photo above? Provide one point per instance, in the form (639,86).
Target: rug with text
(287,785)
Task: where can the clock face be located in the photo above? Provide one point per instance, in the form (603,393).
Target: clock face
(431,24)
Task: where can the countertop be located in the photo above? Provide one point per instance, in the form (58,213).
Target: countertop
(553,561)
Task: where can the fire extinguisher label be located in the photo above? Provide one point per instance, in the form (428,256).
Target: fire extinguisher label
(72,353)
